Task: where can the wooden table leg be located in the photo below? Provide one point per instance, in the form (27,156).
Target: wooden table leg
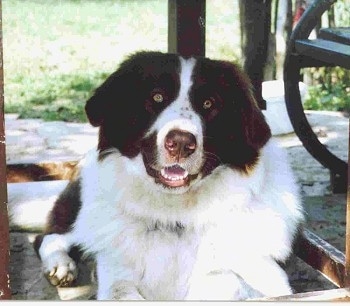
(347,235)
(5,292)
(186,27)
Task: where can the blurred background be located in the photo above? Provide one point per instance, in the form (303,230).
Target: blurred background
(56,52)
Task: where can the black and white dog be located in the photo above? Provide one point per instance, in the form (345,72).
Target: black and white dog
(185,197)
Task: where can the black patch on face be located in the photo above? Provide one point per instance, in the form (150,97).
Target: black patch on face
(234,127)
(129,101)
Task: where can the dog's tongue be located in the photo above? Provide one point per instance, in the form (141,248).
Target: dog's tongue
(174,171)
(174,176)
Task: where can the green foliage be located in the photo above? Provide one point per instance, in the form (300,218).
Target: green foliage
(330,89)
(333,98)
(342,13)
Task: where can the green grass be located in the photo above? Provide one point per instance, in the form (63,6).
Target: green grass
(60,98)
(57,51)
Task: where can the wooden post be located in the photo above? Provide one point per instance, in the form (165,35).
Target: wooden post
(5,292)
(347,235)
(186,27)
(255,20)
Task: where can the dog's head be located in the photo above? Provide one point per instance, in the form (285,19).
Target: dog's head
(185,116)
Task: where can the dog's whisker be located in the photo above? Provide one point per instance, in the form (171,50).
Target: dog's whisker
(212,156)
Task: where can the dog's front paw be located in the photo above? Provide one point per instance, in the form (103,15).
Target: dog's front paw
(60,269)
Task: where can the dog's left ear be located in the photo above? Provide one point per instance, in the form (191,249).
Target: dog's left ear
(256,131)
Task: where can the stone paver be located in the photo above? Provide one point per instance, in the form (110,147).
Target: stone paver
(34,140)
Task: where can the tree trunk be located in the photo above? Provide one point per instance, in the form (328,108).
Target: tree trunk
(284,21)
(255,21)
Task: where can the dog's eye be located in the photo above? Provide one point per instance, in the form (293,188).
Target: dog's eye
(158,98)
(207,104)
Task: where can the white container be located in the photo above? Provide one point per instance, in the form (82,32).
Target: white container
(276,112)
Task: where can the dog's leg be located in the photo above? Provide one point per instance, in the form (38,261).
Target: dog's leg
(58,267)
(265,276)
(222,285)
(115,282)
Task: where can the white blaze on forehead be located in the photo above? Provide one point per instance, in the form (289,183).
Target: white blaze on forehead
(185,80)
(179,114)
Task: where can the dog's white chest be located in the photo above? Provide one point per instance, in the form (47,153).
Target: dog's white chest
(167,263)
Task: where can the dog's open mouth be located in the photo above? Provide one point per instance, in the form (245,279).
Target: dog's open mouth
(173,176)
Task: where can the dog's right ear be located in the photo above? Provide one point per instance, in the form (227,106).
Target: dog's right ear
(97,105)
(103,103)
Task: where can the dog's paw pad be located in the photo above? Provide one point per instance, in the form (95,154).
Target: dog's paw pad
(60,270)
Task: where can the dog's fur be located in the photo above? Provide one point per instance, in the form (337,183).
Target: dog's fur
(185,197)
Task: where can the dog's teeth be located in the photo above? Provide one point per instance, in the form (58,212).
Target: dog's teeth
(172,177)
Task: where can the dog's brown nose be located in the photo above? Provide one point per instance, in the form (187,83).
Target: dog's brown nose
(180,144)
